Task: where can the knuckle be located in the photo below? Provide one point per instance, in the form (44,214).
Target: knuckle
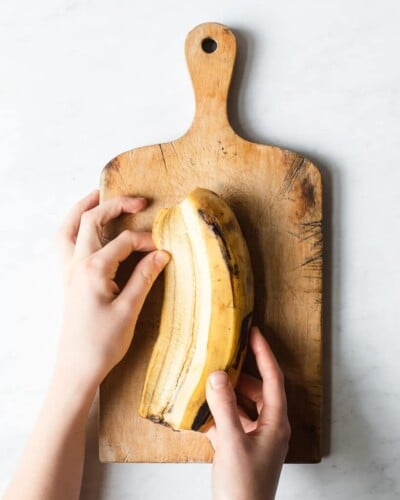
(283,431)
(147,276)
(128,236)
(125,308)
(87,217)
(126,233)
(228,406)
(121,200)
(117,202)
(95,263)
(227,398)
(277,378)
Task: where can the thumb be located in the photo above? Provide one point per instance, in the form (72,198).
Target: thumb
(221,400)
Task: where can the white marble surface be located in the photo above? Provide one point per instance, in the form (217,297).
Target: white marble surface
(81,81)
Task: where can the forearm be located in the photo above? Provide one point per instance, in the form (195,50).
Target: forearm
(52,463)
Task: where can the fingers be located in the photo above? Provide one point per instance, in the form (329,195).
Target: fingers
(119,249)
(247,424)
(273,390)
(221,400)
(69,229)
(252,388)
(141,280)
(92,221)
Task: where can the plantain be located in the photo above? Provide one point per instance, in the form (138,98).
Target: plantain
(206,311)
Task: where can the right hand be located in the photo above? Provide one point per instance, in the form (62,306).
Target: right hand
(249,454)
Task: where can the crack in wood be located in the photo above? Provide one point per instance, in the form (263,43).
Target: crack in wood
(114,166)
(163,158)
(310,260)
(292,173)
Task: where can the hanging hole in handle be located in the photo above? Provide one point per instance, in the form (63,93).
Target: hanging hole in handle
(209,45)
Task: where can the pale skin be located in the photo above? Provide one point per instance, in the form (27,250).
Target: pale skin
(98,325)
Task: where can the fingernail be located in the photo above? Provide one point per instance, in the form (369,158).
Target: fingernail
(218,379)
(162,257)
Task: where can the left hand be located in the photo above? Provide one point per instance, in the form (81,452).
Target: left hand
(99,318)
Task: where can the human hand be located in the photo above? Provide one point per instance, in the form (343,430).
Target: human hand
(249,454)
(99,318)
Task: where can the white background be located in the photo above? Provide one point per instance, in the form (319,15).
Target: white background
(81,81)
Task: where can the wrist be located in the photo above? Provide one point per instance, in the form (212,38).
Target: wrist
(73,385)
(76,365)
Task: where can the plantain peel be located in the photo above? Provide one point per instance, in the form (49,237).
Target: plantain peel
(206,311)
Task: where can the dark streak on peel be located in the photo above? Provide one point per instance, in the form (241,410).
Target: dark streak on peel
(184,368)
(216,229)
(158,420)
(243,336)
(204,412)
(154,418)
(201,417)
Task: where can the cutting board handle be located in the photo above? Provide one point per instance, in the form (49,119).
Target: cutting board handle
(210,55)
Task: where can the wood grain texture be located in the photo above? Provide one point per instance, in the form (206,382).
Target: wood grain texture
(277,197)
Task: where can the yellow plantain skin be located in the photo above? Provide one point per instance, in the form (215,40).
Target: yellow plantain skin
(206,312)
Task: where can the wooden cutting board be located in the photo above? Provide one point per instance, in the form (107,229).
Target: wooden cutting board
(277,197)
